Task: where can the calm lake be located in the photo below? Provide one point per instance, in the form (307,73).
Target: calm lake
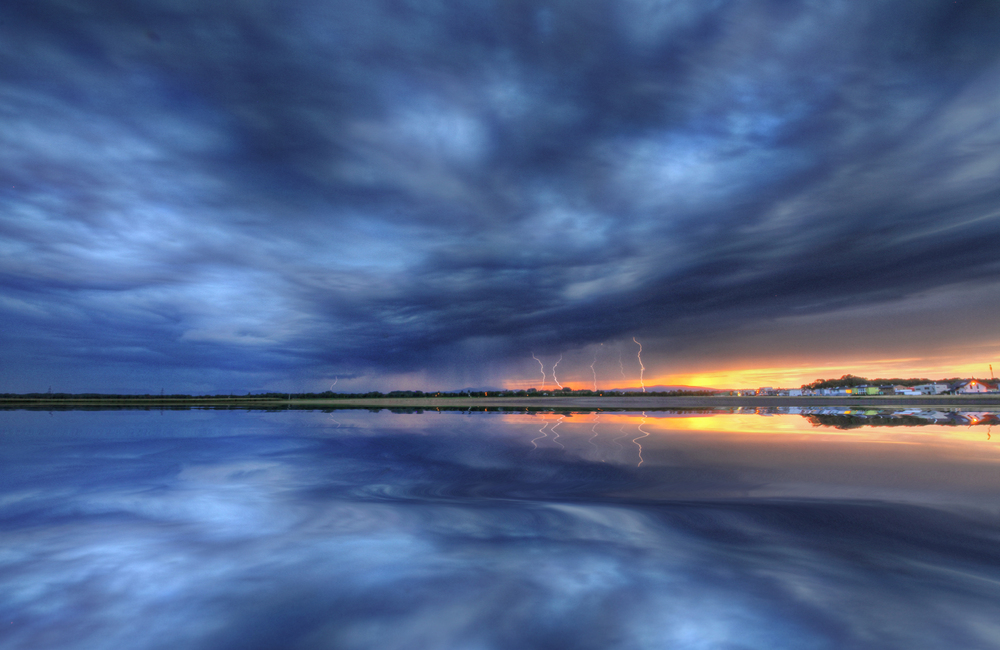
(243,530)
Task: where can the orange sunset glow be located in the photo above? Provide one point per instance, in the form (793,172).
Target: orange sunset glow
(791,375)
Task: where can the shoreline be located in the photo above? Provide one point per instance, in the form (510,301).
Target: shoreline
(590,403)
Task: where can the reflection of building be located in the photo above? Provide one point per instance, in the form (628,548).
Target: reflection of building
(846,417)
(974,417)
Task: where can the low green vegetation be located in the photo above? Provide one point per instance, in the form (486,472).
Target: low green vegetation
(850,381)
(396,394)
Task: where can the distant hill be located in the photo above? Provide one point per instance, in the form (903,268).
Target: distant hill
(551,387)
(474,389)
(658,388)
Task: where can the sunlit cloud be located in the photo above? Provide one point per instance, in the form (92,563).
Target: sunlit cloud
(795,376)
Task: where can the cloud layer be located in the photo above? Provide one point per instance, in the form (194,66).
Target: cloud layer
(252,194)
(223,529)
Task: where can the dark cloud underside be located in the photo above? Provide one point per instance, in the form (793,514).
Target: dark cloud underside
(276,189)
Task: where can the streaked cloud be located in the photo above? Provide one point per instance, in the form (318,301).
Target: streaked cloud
(379,191)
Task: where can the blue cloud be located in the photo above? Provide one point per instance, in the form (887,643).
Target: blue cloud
(372,188)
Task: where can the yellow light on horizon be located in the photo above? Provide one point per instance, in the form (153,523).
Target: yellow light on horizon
(793,376)
(760,427)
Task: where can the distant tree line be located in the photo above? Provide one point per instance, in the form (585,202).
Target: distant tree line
(531,392)
(104,396)
(850,381)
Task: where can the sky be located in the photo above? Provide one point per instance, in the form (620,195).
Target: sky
(403,194)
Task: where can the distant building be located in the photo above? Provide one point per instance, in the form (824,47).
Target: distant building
(970,387)
(931,389)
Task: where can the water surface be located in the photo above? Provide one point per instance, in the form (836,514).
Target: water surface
(353,529)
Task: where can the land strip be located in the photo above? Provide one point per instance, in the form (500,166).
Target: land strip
(649,403)
(630,403)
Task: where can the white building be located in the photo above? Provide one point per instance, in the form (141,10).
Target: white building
(970,387)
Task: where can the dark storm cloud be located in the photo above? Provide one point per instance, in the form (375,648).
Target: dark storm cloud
(356,187)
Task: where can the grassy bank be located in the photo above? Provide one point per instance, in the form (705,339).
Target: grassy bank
(636,402)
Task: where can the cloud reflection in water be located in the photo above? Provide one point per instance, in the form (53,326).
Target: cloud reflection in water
(255,530)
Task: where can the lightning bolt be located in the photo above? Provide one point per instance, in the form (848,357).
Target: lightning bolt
(553,429)
(594,372)
(335,380)
(542,367)
(554,372)
(621,366)
(642,368)
(637,438)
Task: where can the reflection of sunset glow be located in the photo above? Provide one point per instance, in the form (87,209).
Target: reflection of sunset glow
(760,426)
(736,453)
